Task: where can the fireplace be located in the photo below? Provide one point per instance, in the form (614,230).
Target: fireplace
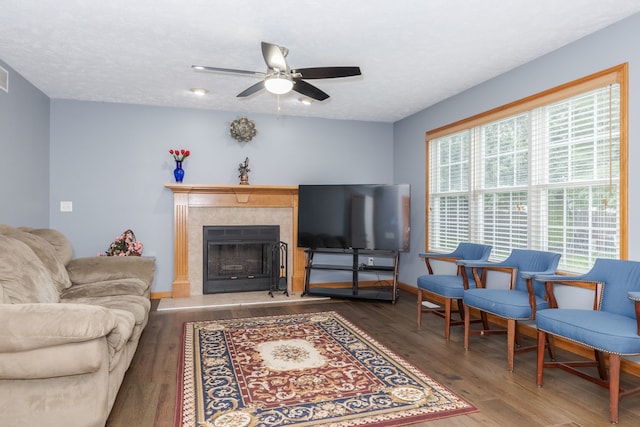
(196,206)
(240,258)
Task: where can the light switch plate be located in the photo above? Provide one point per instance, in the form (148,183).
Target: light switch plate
(66,206)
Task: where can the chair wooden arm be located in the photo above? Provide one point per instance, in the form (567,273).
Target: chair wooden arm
(437,258)
(635,297)
(637,304)
(532,296)
(481,277)
(590,285)
(465,279)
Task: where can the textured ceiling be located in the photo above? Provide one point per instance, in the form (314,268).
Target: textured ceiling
(412,53)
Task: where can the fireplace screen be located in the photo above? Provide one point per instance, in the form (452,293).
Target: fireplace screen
(239,258)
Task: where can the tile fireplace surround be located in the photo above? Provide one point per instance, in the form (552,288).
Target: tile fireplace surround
(197,205)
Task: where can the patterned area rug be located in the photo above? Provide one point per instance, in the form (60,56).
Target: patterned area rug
(301,370)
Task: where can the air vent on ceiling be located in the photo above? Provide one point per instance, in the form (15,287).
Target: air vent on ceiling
(4,79)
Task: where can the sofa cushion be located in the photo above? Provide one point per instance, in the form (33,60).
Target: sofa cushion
(23,276)
(47,254)
(59,241)
(138,306)
(5,228)
(135,305)
(102,268)
(106,288)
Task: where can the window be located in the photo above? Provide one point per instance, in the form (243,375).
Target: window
(542,173)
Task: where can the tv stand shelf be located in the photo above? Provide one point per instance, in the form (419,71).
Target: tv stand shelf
(384,285)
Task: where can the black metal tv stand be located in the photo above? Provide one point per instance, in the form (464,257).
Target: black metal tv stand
(376,280)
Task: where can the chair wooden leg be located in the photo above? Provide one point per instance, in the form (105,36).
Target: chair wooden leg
(614,387)
(485,320)
(540,360)
(447,317)
(419,307)
(551,348)
(467,326)
(511,342)
(460,309)
(600,364)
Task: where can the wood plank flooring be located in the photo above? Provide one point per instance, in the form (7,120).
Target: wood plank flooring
(148,393)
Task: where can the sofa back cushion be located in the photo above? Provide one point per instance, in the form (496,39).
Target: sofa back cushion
(57,240)
(47,254)
(23,276)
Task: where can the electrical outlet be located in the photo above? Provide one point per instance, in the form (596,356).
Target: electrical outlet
(371,262)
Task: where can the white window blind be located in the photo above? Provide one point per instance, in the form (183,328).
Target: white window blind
(449,207)
(547,178)
(581,188)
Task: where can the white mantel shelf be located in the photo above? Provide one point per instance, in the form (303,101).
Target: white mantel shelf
(234,196)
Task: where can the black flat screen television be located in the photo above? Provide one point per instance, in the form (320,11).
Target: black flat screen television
(356,216)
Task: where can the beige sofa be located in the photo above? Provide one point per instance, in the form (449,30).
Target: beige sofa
(68,328)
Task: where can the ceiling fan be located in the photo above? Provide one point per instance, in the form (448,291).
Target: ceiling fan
(280,79)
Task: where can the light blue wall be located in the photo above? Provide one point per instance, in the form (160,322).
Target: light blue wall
(24,144)
(612,46)
(112,161)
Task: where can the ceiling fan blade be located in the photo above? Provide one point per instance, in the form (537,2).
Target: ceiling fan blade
(251,89)
(309,90)
(227,70)
(327,72)
(274,56)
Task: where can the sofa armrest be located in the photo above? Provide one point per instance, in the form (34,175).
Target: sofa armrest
(104,268)
(33,326)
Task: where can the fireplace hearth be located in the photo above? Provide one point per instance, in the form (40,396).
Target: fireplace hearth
(239,258)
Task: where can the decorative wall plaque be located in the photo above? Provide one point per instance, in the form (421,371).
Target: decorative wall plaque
(243,129)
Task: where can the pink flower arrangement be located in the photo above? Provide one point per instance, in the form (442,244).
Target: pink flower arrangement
(179,155)
(124,245)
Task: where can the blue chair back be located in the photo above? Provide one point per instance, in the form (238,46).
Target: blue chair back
(619,277)
(530,261)
(474,251)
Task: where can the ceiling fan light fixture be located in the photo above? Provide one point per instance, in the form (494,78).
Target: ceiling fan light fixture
(278,84)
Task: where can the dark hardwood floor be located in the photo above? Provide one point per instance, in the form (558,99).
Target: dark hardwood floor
(148,393)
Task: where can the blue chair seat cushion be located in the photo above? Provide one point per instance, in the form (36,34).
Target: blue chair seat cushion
(510,304)
(601,330)
(444,285)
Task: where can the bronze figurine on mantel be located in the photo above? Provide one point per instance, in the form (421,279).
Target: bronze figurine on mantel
(244,172)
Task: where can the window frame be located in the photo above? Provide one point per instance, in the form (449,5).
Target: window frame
(617,74)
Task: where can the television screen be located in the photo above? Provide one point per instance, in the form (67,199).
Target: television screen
(358,216)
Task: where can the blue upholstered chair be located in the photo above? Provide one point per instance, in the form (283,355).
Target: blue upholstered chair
(612,326)
(449,285)
(514,299)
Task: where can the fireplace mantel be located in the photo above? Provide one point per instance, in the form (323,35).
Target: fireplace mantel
(187,196)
